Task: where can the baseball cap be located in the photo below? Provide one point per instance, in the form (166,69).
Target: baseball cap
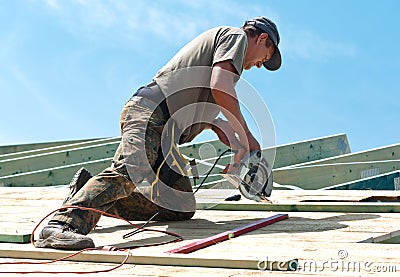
(269,27)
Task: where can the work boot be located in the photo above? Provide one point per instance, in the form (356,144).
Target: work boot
(78,181)
(60,235)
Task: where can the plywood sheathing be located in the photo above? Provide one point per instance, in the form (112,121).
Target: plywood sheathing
(308,236)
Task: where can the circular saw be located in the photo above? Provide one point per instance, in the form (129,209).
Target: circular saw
(253,178)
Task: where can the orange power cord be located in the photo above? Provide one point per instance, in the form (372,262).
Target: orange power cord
(105,248)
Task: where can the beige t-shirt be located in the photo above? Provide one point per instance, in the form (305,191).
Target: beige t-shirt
(185,79)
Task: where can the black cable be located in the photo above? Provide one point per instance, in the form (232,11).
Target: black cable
(140,228)
(212,167)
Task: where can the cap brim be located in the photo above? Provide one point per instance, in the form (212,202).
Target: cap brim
(275,62)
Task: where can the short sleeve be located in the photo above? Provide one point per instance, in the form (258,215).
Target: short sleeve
(231,47)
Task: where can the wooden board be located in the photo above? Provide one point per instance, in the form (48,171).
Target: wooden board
(327,175)
(385,153)
(391,237)
(341,169)
(58,157)
(307,236)
(343,207)
(297,196)
(387,181)
(14,251)
(15,238)
(305,201)
(10,150)
(54,176)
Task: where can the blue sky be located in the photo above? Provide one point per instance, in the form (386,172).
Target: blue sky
(67,67)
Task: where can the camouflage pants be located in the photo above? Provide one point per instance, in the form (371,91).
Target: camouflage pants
(119,189)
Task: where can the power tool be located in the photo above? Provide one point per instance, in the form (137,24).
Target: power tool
(253,178)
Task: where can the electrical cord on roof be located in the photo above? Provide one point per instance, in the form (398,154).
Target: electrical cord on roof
(211,169)
(105,248)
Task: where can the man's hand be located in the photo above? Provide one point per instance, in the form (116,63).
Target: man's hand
(227,136)
(252,144)
(248,144)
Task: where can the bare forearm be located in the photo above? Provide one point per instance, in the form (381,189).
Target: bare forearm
(224,94)
(230,108)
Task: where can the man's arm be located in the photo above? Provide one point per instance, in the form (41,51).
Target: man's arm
(223,90)
(227,136)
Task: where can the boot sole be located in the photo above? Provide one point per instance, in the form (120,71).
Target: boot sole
(65,244)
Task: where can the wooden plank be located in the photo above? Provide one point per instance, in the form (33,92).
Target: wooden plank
(311,150)
(296,196)
(387,181)
(191,247)
(52,176)
(321,176)
(304,268)
(384,153)
(56,165)
(157,259)
(341,169)
(343,207)
(391,237)
(8,149)
(15,238)
(144,270)
(72,155)
(58,147)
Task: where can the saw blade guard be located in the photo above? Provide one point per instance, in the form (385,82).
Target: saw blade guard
(256,177)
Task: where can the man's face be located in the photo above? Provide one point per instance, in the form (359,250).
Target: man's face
(257,53)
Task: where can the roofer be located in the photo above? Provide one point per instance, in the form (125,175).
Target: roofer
(184,98)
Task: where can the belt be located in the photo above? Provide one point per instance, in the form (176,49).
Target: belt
(146,102)
(152,97)
(157,93)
